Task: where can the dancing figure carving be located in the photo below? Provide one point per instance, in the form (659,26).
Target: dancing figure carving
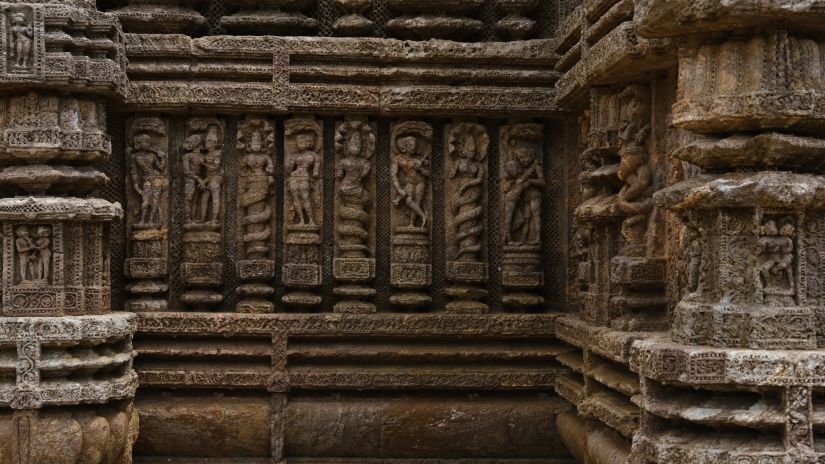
(523,182)
(147,167)
(410,170)
(635,199)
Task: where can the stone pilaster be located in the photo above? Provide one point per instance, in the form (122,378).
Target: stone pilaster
(736,369)
(73,375)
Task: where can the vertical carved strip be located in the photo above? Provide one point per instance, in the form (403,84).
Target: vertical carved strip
(203,212)
(28,358)
(466,216)
(256,266)
(354,263)
(522,185)
(799,424)
(411,146)
(303,211)
(147,220)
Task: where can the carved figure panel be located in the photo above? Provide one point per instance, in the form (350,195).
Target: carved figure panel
(354,263)
(203,211)
(33,253)
(255,150)
(522,186)
(33,271)
(635,197)
(303,211)
(411,212)
(22,41)
(43,127)
(466,215)
(776,259)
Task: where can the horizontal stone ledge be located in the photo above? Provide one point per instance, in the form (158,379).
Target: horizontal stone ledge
(766,189)
(69,393)
(668,362)
(620,56)
(167,460)
(375,76)
(329,324)
(604,341)
(325,378)
(67,328)
(659,18)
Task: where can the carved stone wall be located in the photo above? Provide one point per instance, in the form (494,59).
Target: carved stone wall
(412,231)
(360,276)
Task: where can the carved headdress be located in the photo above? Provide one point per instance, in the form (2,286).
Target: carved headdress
(469,133)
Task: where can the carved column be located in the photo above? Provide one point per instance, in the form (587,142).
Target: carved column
(147,225)
(411,146)
(354,263)
(255,150)
(747,333)
(522,185)
(203,212)
(303,211)
(466,194)
(69,358)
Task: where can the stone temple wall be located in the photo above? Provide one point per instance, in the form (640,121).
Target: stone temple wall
(412,231)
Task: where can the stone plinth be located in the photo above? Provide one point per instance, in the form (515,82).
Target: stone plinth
(83,364)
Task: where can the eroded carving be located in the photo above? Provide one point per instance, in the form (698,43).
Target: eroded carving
(202,167)
(303,212)
(466,198)
(522,186)
(256,148)
(148,218)
(410,175)
(354,263)
(635,197)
